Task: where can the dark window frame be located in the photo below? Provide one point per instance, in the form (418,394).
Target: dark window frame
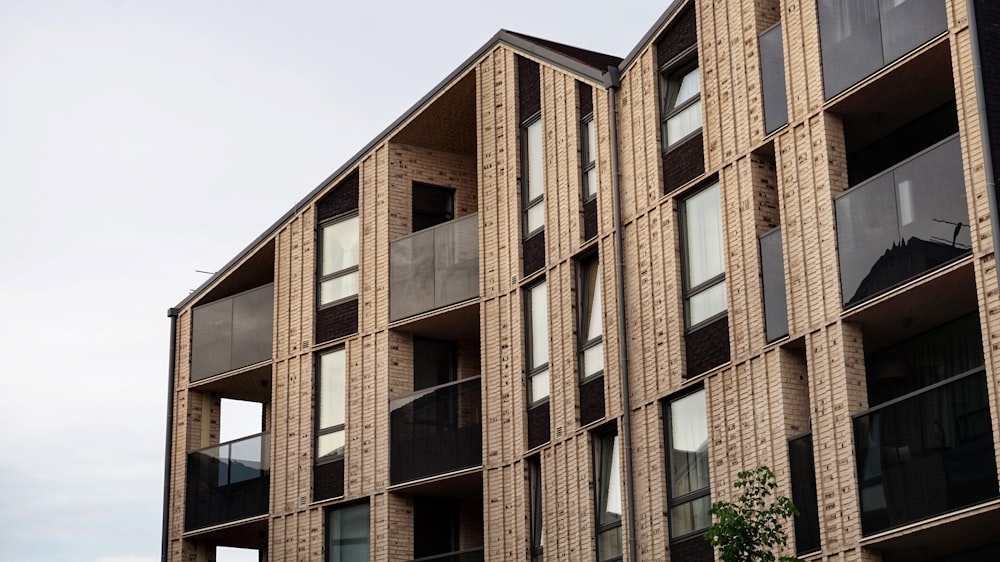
(320,278)
(604,444)
(533,370)
(445,216)
(526,203)
(318,394)
(689,497)
(588,158)
(671,76)
(327,527)
(584,298)
(688,292)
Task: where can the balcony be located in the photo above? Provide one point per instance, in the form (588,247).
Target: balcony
(925,453)
(436,431)
(232,333)
(228,482)
(470,555)
(903,222)
(859,37)
(434,268)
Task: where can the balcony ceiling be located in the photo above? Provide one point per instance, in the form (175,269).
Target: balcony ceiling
(897,97)
(253,385)
(448,124)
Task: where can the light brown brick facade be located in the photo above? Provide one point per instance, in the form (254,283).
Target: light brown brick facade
(820,381)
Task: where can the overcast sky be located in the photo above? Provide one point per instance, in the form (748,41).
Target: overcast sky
(141,141)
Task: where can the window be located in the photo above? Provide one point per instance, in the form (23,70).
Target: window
(704,264)
(347,533)
(535,491)
(609,497)
(681,112)
(588,156)
(431,205)
(687,460)
(533,176)
(591,319)
(330,405)
(338,268)
(434,362)
(537,342)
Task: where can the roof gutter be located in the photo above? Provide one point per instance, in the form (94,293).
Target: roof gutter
(165,540)
(984,130)
(612,81)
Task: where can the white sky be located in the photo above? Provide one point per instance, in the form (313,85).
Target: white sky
(142,140)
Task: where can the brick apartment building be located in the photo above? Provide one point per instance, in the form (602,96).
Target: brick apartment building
(552,310)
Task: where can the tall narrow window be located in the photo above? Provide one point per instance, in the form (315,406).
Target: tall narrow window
(537,341)
(588,156)
(681,112)
(687,457)
(533,176)
(535,491)
(591,319)
(347,533)
(339,260)
(330,405)
(704,264)
(609,497)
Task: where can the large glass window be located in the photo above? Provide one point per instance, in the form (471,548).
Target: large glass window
(588,156)
(347,533)
(704,263)
(772,78)
(537,342)
(330,405)
(609,497)
(681,105)
(591,319)
(687,457)
(533,176)
(772,273)
(338,267)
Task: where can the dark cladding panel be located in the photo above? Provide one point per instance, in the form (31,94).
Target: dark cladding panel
(338,321)
(539,431)
(534,253)
(592,400)
(328,480)
(707,347)
(683,162)
(342,199)
(528,88)
(679,35)
(590,219)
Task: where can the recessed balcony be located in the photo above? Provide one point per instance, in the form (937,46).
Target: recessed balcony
(228,482)
(906,221)
(434,268)
(436,430)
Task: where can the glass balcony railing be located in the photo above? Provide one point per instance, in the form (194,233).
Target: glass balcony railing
(228,482)
(231,333)
(436,430)
(859,37)
(925,453)
(470,555)
(906,221)
(436,267)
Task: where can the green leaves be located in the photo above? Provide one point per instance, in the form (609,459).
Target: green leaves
(750,529)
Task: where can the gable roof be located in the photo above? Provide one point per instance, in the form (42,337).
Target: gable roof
(587,65)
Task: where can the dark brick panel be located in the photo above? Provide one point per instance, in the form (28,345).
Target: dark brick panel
(341,199)
(538,425)
(683,163)
(590,219)
(328,480)
(707,347)
(586,98)
(679,35)
(529,97)
(533,253)
(695,549)
(337,321)
(592,400)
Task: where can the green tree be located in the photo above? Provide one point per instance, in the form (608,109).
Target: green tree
(749,529)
